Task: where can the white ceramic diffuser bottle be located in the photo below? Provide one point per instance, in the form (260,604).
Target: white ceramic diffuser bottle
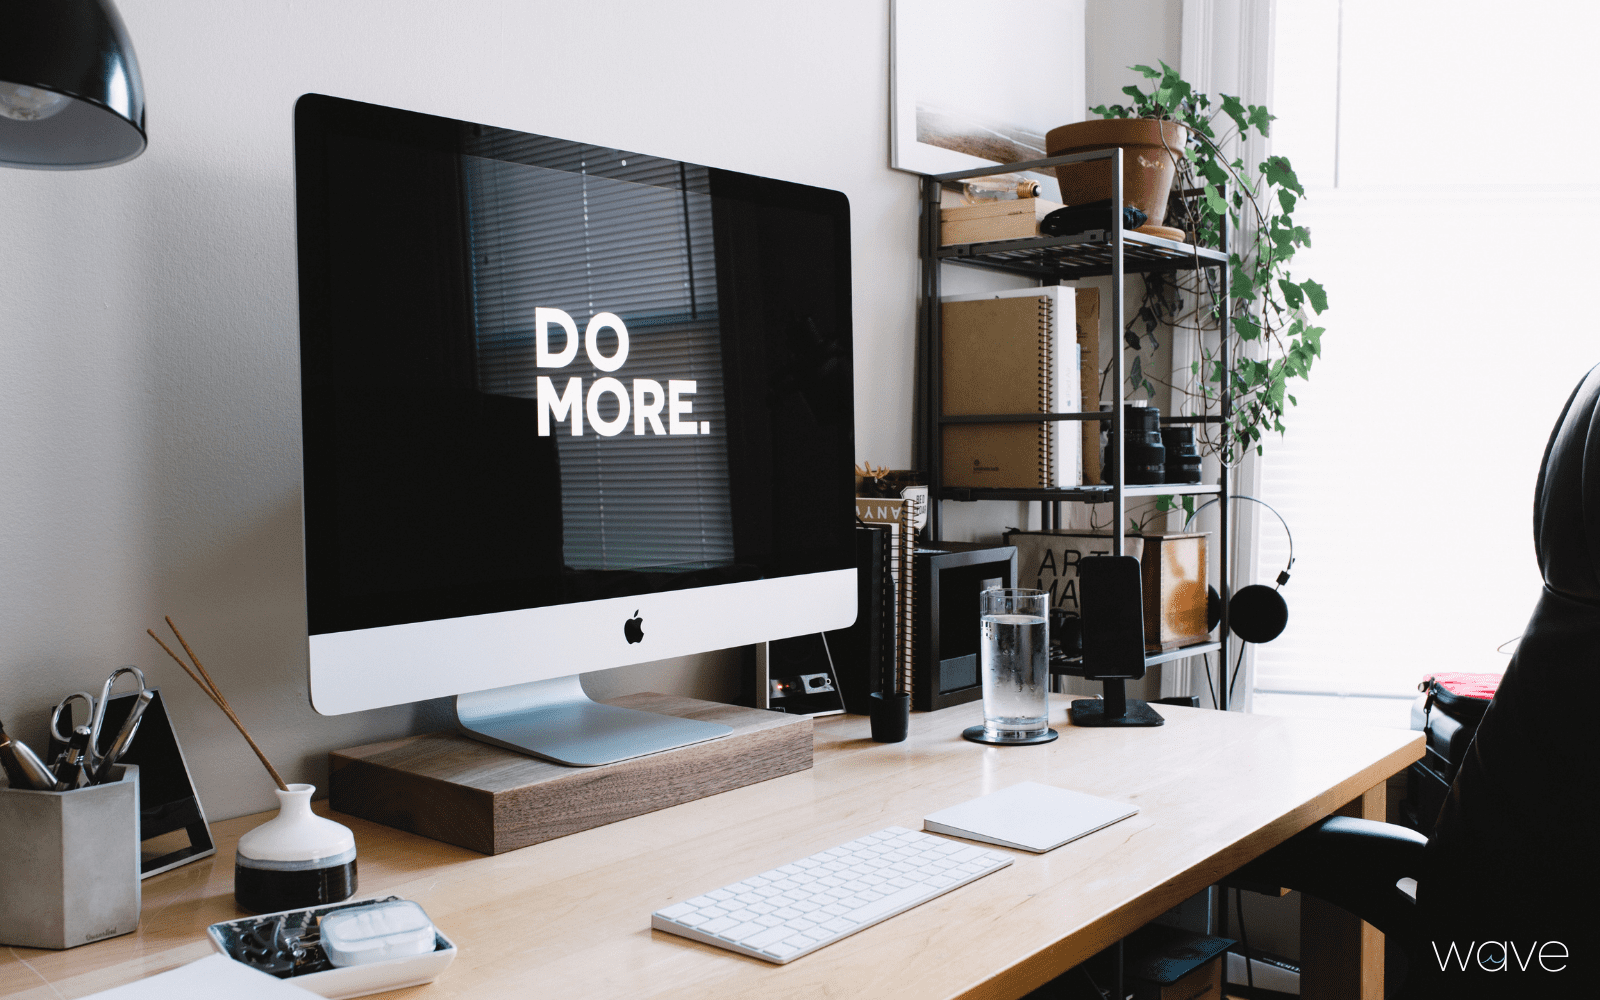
(294,860)
(297,858)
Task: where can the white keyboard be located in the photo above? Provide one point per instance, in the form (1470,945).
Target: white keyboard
(796,909)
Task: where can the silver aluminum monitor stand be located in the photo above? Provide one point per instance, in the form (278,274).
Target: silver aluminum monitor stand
(556,720)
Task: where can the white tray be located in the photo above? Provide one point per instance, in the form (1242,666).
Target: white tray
(355,980)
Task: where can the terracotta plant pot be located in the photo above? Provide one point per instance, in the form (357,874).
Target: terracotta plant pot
(1147,163)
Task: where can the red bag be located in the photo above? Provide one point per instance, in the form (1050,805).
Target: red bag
(1462,696)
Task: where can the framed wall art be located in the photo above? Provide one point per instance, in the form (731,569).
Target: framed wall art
(975,83)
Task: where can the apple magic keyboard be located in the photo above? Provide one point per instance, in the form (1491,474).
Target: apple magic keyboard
(794,910)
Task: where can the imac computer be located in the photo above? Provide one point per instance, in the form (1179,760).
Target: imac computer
(565,408)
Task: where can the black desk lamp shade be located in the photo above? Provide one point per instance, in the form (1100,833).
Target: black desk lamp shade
(70,92)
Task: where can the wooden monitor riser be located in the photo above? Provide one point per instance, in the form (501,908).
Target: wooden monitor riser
(492,800)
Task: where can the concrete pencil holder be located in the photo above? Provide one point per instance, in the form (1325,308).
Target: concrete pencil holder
(69,870)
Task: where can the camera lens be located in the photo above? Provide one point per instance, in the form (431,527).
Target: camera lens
(1145,458)
(1183,460)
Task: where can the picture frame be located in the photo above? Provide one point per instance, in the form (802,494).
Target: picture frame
(972,84)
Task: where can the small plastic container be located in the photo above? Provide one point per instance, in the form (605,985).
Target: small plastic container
(368,934)
(290,945)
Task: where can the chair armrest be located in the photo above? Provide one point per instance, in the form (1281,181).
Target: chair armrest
(1353,864)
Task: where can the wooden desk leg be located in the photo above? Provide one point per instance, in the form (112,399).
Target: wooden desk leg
(1341,957)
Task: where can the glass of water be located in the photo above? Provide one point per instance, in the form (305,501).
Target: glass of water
(1014,656)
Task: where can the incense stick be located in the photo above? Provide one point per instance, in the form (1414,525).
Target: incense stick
(215,694)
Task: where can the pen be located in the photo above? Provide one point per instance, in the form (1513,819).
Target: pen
(119,746)
(22,763)
(70,767)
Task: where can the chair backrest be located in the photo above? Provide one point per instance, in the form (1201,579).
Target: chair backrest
(1512,852)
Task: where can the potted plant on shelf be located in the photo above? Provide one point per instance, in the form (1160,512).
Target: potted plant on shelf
(1147,171)
(1274,338)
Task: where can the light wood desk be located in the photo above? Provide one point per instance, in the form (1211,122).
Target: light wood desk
(571,917)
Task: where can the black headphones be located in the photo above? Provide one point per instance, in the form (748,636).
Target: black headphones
(1258,613)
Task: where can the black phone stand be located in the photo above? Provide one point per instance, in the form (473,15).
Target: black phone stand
(1114,708)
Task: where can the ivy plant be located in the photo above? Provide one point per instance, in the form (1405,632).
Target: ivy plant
(1273,331)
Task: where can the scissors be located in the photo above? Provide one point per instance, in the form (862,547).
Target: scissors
(96,709)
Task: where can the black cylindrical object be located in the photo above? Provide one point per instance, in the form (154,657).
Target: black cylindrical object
(1183,459)
(891,717)
(1145,459)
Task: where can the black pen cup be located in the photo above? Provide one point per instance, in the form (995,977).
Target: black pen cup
(891,717)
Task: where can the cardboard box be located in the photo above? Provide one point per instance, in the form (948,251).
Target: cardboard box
(1013,219)
(1174,565)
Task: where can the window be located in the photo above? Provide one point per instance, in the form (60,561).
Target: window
(1452,197)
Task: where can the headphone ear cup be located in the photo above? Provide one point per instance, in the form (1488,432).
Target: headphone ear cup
(1259,614)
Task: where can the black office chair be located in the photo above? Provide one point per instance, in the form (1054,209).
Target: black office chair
(1513,857)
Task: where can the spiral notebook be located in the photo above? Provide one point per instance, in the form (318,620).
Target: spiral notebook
(1004,352)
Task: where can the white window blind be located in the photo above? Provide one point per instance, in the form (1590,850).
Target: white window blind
(641,248)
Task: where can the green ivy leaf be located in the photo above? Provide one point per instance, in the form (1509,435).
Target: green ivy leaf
(1317,297)
(1292,295)
(1175,87)
(1279,172)
(1246,328)
(1133,92)
(1260,119)
(1213,171)
(1148,73)
(1214,201)
(1287,200)
(1235,110)
(1242,280)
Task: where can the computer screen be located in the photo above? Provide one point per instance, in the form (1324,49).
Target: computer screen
(565,407)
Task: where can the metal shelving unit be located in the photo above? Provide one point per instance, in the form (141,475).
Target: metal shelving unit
(1049,260)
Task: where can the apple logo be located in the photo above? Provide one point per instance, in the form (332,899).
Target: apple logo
(633,629)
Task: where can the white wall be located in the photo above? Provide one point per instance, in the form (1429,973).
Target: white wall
(149,424)
(1125,33)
